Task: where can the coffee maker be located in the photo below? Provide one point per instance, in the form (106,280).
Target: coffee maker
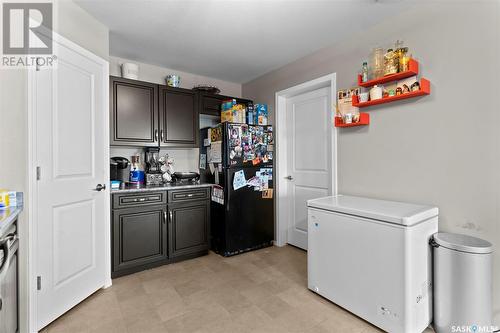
(120,169)
(153,165)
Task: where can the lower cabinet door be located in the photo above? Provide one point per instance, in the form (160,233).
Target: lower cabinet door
(140,237)
(189,227)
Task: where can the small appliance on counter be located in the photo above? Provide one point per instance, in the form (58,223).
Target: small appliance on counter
(119,169)
(186,177)
(154,174)
(136,171)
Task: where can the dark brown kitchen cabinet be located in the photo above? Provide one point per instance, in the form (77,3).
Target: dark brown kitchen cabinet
(178,117)
(210,104)
(144,114)
(134,113)
(140,238)
(153,228)
(189,227)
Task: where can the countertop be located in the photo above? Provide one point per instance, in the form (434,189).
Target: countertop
(168,186)
(8,216)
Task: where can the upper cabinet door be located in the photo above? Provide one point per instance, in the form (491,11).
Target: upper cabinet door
(134,113)
(178,117)
(211,105)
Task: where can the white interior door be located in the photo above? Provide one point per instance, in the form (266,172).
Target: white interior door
(309,157)
(71,150)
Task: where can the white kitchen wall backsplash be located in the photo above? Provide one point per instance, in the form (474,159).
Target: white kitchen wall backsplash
(184,159)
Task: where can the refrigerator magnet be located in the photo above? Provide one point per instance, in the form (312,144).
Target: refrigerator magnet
(238,151)
(239,180)
(267,194)
(203,161)
(218,194)
(253,182)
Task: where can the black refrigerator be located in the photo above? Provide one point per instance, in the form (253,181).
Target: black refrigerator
(238,158)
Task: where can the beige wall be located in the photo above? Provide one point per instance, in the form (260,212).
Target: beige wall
(442,149)
(156,74)
(77,25)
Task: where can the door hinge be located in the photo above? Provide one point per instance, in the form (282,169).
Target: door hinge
(38,283)
(38,173)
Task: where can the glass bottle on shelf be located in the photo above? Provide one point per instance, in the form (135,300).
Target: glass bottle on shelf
(404,60)
(377,63)
(400,52)
(391,63)
(364,72)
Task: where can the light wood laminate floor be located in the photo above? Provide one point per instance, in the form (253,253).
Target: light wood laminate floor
(260,291)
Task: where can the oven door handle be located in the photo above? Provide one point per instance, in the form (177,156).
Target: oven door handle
(5,246)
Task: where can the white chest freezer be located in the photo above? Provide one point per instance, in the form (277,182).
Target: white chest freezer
(372,257)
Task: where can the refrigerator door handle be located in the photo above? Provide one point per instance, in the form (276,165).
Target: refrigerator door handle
(228,199)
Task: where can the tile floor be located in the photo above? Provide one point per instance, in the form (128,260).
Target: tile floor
(260,291)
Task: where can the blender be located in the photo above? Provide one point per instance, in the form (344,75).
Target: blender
(153,165)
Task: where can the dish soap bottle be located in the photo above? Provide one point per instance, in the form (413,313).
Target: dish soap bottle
(136,171)
(364,72)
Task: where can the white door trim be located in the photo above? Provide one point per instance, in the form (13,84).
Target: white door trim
(31,244)
(281,184)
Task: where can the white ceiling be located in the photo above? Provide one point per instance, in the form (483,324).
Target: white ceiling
(233,40)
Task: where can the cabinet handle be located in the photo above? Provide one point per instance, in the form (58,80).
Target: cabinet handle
(190,195)
(171,216)
(164,217)
(162,135)
(156,135)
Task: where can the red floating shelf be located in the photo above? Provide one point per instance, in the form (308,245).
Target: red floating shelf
(425,89)
(413,70)
(364,119)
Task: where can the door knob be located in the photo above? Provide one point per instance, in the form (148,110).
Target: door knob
(289,177)
(100,187)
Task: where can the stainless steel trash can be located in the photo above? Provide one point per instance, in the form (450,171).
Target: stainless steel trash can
(463,284)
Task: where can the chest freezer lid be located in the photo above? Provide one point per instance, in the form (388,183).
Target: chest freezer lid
(388,211)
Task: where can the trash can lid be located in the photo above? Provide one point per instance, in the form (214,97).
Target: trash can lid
(463,243)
